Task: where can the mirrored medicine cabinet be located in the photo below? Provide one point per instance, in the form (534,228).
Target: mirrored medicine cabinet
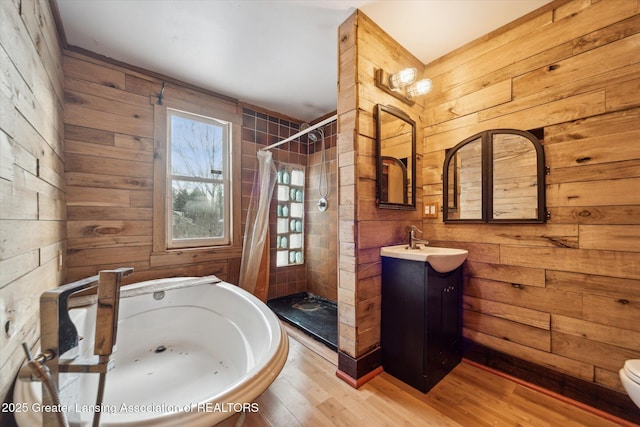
(396,159)
(495,176)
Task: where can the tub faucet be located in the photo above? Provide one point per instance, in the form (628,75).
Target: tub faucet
(59,337)
(413,240)
(58,334)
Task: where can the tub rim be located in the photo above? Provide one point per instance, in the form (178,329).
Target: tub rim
(244,391)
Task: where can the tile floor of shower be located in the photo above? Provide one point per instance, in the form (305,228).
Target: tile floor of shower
(314,315)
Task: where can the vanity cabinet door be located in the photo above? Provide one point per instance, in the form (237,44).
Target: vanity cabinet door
(421,322)
(443,324)
(402,325)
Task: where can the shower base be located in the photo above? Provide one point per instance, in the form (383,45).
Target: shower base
(314,315)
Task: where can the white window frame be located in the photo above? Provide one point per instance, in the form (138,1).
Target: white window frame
(226,181)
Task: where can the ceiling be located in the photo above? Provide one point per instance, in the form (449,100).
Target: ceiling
(276,54)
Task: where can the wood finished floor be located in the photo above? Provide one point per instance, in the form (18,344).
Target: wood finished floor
(308,393)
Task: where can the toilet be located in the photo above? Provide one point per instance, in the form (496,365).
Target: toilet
(630,377)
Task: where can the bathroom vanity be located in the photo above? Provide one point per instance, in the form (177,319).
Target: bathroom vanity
(421,331)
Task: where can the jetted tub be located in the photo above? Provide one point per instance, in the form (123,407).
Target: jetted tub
(188,356)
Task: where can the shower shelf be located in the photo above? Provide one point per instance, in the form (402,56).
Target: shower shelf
(290,216)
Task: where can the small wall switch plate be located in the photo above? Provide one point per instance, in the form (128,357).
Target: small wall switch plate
(430,210)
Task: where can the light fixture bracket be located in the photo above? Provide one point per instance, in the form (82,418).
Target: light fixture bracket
(381,78)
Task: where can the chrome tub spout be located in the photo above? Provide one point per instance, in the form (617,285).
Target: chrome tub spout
(59,336)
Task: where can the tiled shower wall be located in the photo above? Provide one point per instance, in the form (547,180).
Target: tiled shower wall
(321,232)
(318,273)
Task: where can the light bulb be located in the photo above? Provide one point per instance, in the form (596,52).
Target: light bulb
(402,78)
(419,88)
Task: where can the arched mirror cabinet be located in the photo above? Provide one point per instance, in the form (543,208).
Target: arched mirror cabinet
(495,176)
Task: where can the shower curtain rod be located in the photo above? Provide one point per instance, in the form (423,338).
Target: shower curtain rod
(302,132)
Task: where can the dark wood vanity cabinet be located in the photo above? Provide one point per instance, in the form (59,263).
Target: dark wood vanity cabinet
(421,331)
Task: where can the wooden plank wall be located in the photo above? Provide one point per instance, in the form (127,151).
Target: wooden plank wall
(363,228)
(32,187)
(109,131)
(346,154)
(565,294)
(111,162)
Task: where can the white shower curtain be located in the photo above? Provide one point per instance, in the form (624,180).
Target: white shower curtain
(257,224)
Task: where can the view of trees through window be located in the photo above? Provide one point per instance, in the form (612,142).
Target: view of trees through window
(198,177)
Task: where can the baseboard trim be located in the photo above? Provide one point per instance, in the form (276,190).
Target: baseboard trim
(357,371)
(357,383)
(602,414)
(587,395)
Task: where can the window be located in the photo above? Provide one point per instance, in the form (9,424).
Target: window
(290,225)
(198,180)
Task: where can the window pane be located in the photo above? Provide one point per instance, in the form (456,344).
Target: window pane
(196,147)
(198,210)
(199,180)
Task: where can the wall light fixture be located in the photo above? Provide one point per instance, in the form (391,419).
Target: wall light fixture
(402,84)
(402,78)
(418,88)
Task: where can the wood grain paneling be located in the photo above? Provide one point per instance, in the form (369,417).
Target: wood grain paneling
(538,319)
(583,66)
(592,127)
(563,29)
(593,285)
(109,165)
(554,361)
(364,47)
(572,69)
(575,75)
(508,330)
(87,71)
(605,263)
(32,186)
(614,335)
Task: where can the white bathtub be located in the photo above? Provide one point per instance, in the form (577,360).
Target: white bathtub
(195,357)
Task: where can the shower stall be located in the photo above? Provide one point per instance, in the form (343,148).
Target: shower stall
(303,291)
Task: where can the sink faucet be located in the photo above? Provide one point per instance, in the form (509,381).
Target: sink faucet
(413,240)
(59,337)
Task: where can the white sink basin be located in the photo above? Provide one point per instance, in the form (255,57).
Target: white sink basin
(443,260)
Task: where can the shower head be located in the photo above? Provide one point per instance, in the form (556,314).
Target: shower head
(314,135)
